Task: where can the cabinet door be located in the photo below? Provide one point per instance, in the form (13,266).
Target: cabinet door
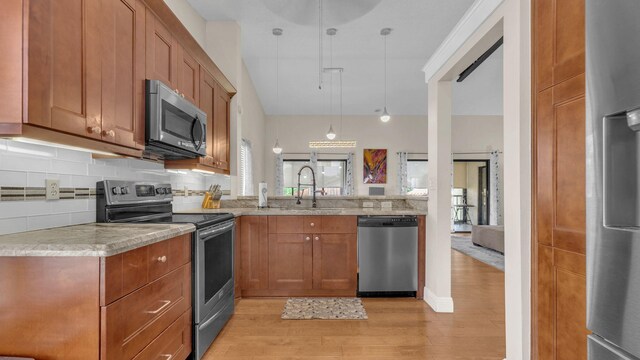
(64,66)
(188,76)
(221,135)
(207,95)
(559,233)
(559,41)
(254,245)
(123,72)
(335,261)
(161,53)
(290,261)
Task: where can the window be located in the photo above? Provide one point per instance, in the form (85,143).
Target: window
(246,166)
(417,171)
(330,177)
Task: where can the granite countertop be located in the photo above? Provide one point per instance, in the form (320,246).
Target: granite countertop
(89,239)
(307,211)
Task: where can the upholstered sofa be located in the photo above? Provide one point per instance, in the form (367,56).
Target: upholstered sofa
(488,236)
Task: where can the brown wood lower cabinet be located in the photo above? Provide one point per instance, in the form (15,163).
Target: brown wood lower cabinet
(125,306)
(299,255)
(305,255)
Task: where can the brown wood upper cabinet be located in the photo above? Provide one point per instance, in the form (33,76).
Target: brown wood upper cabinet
(86,69)
(162,52)
(188,76)
(214,101)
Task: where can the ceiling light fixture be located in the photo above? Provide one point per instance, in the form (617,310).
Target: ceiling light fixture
(277,32)
(331,134)
(385,117)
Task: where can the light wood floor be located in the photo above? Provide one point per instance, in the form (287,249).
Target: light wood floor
(396,329)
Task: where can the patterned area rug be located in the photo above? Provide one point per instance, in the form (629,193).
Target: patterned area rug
(487,256)
(324,308)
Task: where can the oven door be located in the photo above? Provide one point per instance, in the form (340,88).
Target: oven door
(175,121)
(213,268)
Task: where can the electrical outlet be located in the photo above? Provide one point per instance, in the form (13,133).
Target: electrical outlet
(367,204)
(52,189)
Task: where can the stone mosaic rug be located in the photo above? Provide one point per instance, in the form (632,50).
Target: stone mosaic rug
(324,308)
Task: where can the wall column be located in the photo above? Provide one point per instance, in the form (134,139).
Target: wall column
(438,276)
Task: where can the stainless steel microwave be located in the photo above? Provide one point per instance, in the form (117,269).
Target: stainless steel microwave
(175,128)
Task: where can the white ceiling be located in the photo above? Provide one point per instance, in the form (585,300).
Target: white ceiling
(419,26)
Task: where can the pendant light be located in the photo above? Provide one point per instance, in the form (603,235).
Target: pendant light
(331,32)
(385,117)
(277,32)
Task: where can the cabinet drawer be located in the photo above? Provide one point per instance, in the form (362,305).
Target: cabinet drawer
(286,224)
(131,323)
(330,224)
(123,273)
(174,343)
(168,255)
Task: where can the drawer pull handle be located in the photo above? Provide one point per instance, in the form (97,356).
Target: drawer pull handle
(308,238)
(166,303)
(162,259)
(317,238)
(166,356)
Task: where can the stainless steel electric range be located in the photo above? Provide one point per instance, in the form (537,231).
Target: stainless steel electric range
(213,286)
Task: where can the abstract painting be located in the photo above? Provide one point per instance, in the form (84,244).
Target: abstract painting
(375,166)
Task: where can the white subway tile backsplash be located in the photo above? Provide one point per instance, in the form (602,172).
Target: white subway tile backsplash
(27,165)
(72,155)
(12,178)
(47,221)
(68,167)
(13,225)
(83,217)
(24,163)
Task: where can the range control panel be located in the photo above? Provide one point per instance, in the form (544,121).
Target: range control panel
(128,192)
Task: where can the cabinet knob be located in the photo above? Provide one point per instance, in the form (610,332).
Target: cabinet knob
(317,238)
(109,133)
(93,130)
(312,224)
(307,238)
(162,259)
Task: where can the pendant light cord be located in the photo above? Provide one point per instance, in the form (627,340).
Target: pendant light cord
(341,137)
(319,44)
(277,86)
(385,72)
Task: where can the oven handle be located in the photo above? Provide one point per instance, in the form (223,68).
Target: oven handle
(219,229)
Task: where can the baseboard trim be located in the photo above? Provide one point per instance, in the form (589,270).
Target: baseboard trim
(438,304)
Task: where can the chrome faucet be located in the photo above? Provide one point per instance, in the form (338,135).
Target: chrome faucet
(313,177)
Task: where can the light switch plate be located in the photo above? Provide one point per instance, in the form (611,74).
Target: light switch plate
(186,191)
(52,189)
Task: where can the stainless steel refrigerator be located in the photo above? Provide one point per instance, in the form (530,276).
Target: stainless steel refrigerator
(613,178)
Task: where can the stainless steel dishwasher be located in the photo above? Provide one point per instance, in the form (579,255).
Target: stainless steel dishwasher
(387,255)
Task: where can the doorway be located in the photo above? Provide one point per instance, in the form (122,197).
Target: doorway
(470,194)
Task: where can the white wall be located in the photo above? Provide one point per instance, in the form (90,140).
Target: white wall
(402,133)
(253,125)
(190,18)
